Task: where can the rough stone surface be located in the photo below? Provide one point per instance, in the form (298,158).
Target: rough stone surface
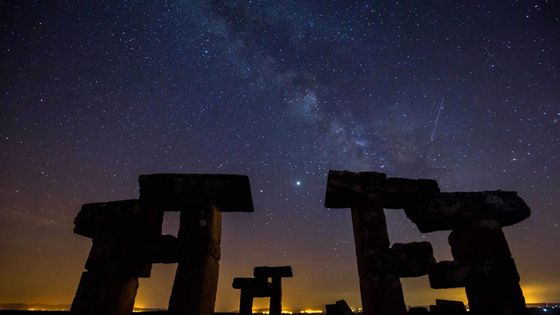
(381,292)
(127,239)
(475,242)
(249,290)
(399,193)
(490,297)
(483,262)
(243,283)
(448,274)
(184,192)
(344,188)
(448,211)
(117,220)
(100,293)
(119,258)
(165,250)
(196,279)
(492,283)
(411,259)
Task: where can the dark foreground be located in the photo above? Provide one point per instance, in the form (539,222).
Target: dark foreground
(532,311)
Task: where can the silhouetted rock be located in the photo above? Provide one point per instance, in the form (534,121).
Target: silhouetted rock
(165,250)
(200,198)
(399,193)
(381,291)
(411,259)
(343,188)
(483,262)
(120,231)
(127,240)
(448,274)
(339,308)
(102,293)
(122,220)
(260,286)
(122,258)
(181,192)
(492,283)
(479,243)
(447,211)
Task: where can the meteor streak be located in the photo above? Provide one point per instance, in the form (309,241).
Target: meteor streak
(437,119)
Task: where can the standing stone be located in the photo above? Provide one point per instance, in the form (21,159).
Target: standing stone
(380,267)
(381,292)
(259,286)
(492,285)
(275,285)
(249,290)
(120,231)
(127,240)
(200,198)
(196,279)
(102,293)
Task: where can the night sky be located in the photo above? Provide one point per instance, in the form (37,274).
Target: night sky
(95,93)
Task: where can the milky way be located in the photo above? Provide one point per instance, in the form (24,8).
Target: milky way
(94,94)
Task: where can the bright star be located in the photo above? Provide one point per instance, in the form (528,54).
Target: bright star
(298,183)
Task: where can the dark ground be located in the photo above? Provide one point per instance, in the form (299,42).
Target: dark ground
(533,311)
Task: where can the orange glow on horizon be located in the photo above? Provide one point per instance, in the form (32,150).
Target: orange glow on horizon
(310,311)
(535,294)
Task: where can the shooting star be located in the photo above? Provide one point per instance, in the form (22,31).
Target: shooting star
(437,119)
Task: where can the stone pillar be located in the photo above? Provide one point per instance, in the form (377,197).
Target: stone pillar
(367,194)
(381,293)
(492,285)
(200,198)
(101,293)
(196,280)
(276,296)
(273,289)
(482,259)
(248,288)
(246,303)
(122,233)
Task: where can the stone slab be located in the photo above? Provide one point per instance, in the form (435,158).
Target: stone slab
(122,219)
(411,259)
(448,211)
(448,274)
(344,188)
(185,192)
(119,258)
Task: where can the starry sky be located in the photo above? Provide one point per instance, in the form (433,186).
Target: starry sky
(95,93)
